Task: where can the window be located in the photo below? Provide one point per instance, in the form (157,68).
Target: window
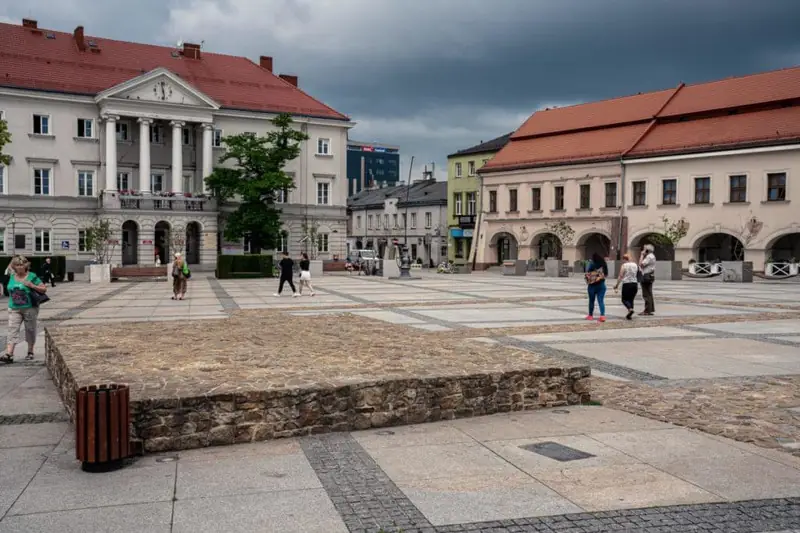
(2,179)
(458,170)
(377,222)
(536,199)
(369,222)
(405,220)
(282,196)
(776,186)
(41,181)
(611,194)
(216,139)
(471,168)
(559,199)
(457,203)
(358,222)
(323,193)
(639,192)
(702,190)
(413,220)
(188,183)
(41,238)
(156,134)
(123,134)
(186,135)
(82,241)
(323,146)
(385,221)
(123,181)
(669,192)
(493,201)
(459,247)
(2,237)
(41,124)
(512,200)
(284,241)
(395,222)
(738,188)
(85,183)
(472,201)
(157,182)
(85,128)
(586,196)
(428,220)
(322,243)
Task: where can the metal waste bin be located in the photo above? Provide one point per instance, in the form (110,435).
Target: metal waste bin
(102,434)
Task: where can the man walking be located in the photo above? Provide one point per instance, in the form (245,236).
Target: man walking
(287,271)
(47,273)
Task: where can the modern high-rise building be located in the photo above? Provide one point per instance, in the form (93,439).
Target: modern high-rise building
(371,165)
(129,132)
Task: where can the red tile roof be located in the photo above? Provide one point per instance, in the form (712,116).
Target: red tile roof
(762,109)
(31,60)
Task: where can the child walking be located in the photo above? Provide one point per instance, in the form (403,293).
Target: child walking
(287,271)
(305,275)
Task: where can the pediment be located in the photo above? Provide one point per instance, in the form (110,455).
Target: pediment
(159,86)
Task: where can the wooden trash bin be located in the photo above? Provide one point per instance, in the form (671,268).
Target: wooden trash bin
(102,433)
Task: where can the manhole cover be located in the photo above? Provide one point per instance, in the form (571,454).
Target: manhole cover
(166,459)
(385,433)
(556,451)
(560,411)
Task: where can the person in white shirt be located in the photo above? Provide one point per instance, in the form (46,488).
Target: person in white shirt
(647,264)
(628,278)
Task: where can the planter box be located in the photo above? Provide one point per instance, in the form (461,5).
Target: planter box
(316,269)
(555,268)
(518,267)
(669,270)
(99,273)
(390,268)
(462,269)
(737,271)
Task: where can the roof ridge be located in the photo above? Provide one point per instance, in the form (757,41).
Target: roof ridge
(653,122)
(743,76)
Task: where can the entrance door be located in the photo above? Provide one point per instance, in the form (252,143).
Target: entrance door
(130,243)
(503,250)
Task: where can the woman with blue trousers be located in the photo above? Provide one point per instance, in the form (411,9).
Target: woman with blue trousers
(596,273)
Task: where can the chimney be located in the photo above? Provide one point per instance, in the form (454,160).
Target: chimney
(30,23)
(289,78)
(191,51)
(79,40)
(265,62)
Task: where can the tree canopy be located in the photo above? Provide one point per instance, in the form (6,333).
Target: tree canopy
(256,180)
(5,138)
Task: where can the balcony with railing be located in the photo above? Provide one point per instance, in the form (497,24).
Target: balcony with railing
(155,202)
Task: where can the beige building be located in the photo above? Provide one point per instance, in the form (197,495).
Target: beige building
(129,132)
(716,157)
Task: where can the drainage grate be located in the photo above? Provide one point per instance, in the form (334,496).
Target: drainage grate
(556,451)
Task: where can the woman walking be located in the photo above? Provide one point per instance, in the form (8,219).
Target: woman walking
(305,275)
(596,273)
(628,277)
(22,306)
(180,273)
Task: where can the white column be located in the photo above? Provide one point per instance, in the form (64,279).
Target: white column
(144,155)
(208,151)
(177,157)
(111,152)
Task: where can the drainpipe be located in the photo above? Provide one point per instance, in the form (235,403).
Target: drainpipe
(476,234)
(621,209)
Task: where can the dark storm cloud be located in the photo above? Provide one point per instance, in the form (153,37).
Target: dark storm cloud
(435,76)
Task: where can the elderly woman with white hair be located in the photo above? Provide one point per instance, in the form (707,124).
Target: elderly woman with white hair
(647,266)
(180,273)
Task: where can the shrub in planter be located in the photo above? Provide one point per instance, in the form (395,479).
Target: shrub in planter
(244,266)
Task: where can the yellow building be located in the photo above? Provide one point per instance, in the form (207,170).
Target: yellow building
(463,189)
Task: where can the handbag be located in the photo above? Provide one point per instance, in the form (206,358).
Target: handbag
(595,276)
(38,298)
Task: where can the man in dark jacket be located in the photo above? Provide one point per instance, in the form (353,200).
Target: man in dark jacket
(287,271)
(47,273)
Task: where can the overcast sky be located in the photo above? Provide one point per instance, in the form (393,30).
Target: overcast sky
(436,76)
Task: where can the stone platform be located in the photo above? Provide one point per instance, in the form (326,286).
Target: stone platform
(261,375)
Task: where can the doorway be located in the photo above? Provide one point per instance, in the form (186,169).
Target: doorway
(162,236)
(193,232)
(130,243)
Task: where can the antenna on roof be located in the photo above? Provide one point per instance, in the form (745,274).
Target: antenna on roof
(179,43)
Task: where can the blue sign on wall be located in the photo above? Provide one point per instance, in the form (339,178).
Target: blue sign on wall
(65,245)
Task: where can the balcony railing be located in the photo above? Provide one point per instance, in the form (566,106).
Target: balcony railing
(159,203)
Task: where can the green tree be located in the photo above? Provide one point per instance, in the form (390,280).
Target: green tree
(99,239)
(256,181)
(671,234)
(5,138)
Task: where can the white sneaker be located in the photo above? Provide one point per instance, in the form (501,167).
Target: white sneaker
(295,295)
(276,295)
(312,294)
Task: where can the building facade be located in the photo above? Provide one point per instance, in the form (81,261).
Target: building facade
(714,158)
(463,195)
(415,215)
(371,165)
(133,141)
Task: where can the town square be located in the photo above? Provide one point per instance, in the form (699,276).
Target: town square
(300,266)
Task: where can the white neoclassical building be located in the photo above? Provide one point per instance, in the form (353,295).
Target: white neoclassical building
(129,132)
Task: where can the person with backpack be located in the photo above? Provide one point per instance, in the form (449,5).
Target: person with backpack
(596,273)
